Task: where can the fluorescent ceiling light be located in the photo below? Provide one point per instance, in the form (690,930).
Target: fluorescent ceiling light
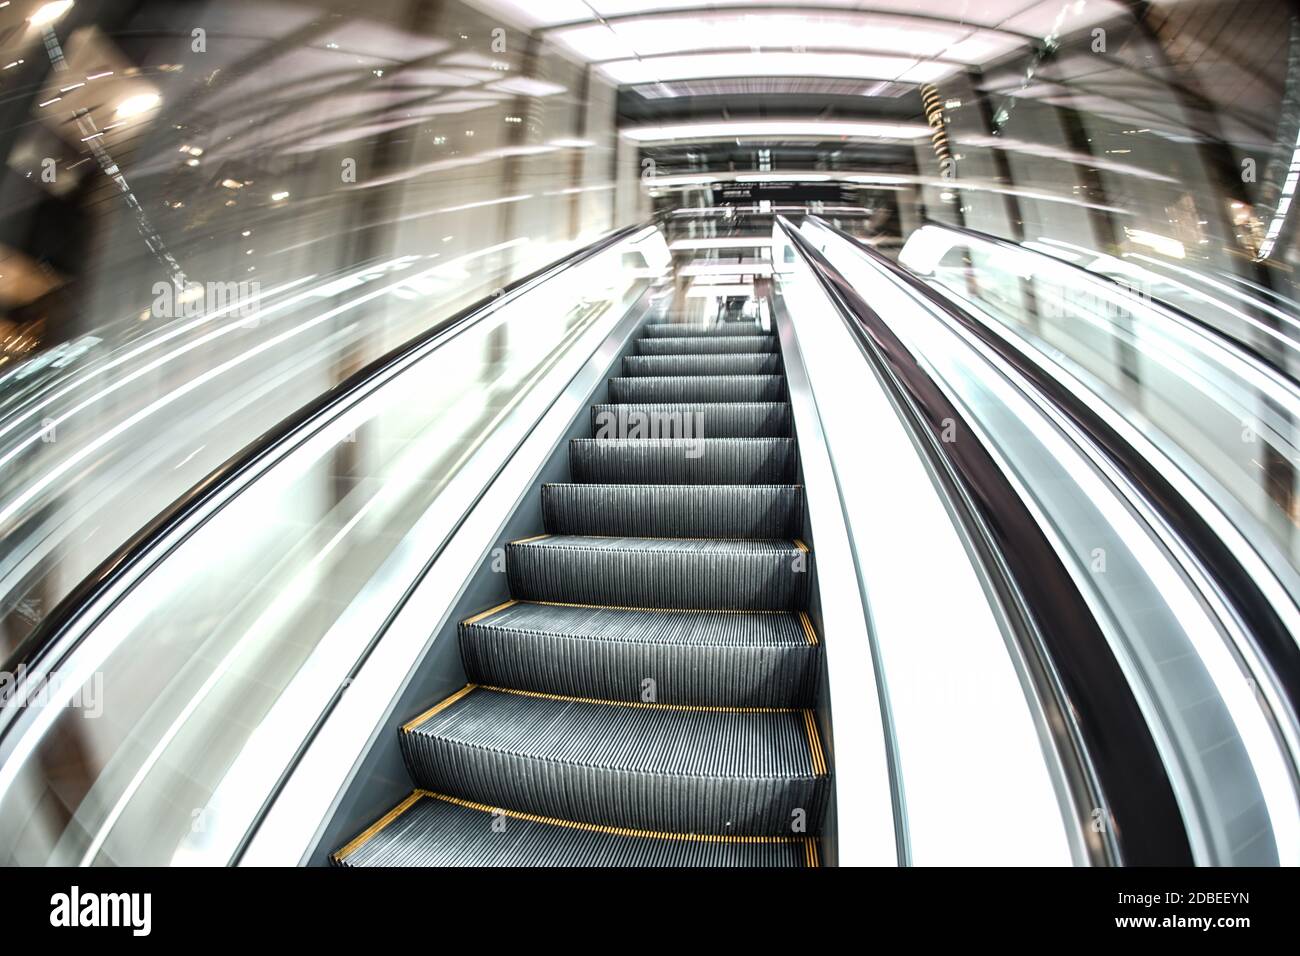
(777,129)
(667,182)
(706,65)
(49,12)
(1036,20)
(744,29)
(140,103)
(879,179)
(526,86)
(783,178)
(1161,244)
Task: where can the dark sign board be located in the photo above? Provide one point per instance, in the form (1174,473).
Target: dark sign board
(782,193)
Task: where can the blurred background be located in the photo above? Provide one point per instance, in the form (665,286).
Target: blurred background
(211,212)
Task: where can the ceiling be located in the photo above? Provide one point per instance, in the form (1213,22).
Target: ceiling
(639,42)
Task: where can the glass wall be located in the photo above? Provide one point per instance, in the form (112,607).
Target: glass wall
(215,211)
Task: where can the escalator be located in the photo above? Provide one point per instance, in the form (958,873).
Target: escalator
(599,641)
(646,695)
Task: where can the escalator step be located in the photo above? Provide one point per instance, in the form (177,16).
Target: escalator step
(683,461)
(742,363)
(698,344)
(706,573)
(668,330)
(674,511)
(748,771)
(698,388)
(692,420)
(692,657)
(429,829)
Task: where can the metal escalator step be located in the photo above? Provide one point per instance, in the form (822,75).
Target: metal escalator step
(682,329)
(674,511)
(692,420)
(748,771)
(698,388)
(430,829)
(705,573)
(730,658)
(739,363)
(683,461)
(697,344)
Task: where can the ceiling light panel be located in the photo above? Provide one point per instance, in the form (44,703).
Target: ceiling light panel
(548,13)
(706,65)
(742,29)
(776,129)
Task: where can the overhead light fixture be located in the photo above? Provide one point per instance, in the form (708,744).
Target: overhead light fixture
(783,178)
(1161,244)
(739,28)
(49,12)
(777,129)
(526,86)
(858,66)
(140,103)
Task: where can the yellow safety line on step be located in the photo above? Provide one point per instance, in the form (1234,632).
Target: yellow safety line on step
(441,705)
(808,628)
(492,610)
(810,849)
(614,831)
(676,610)
(536,537)
(800,545)
(378,825)
(644,705)
(814,744)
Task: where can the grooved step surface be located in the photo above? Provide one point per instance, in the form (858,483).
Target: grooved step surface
(692,420)
(754,575)
(742,363)
(645,767)
(692,657)
(678,461)
(707,343)
(434,830)
(682,329)
(698,388)
(674,511)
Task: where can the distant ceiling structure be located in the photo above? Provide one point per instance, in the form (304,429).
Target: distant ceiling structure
(892,41)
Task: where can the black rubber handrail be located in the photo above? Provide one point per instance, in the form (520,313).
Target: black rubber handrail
(1255,610)
(1119,748)
(45,637)
(1214,331)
